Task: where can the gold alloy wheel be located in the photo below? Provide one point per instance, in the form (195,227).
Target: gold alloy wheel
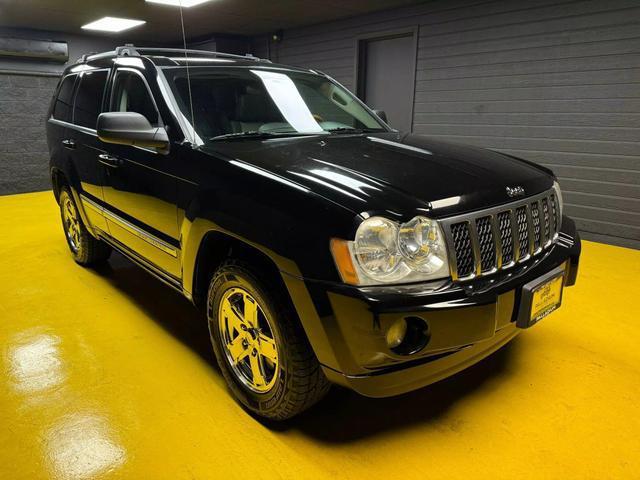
(71,224)
(248,340)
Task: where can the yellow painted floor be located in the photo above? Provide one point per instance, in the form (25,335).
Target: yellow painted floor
(108,374)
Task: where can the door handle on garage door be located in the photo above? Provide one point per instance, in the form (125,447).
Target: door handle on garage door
(68,143)
(109,160)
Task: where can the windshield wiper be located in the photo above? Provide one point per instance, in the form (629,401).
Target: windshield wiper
(257,134)
(250,134)
(354,130)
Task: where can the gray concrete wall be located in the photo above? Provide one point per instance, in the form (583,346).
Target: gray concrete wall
(24,157)
(26,87)
(557,82)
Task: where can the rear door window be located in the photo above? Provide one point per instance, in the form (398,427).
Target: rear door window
(89,98)
(63,107)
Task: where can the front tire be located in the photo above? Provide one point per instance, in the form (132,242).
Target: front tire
(85,249)
(260,346)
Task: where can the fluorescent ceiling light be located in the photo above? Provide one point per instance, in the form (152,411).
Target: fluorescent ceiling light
(113,24)
(178,3)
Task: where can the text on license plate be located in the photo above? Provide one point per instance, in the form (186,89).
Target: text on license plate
(546,298)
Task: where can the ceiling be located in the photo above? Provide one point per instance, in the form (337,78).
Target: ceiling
(241,17)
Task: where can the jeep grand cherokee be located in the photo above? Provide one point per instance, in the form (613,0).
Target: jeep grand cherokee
(324,246)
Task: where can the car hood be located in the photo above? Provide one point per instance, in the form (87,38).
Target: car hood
(390,173)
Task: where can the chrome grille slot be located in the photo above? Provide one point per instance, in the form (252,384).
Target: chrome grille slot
(535,221)
(523,231)
(554,214)
(481,243)
(462,245)
(506,237)
(545,221)
(486,244)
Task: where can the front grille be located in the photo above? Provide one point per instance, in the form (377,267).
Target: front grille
(523,231)
(487,244)
(535,219)
(483,242)
(506,236)
(462,242)
(554,215)
(545,218)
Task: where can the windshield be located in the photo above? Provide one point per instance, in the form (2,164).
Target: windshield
(230,103)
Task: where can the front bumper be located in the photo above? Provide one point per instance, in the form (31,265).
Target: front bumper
(466,322)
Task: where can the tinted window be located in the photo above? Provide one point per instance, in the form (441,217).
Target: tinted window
(326,106)
(283,102)
(130,94)
(89,98)
(63,106)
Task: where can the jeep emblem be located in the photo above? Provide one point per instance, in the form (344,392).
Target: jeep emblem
(515,191)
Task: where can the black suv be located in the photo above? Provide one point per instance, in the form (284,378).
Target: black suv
(325,246)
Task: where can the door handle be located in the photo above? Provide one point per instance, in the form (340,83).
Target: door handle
(68,143)
(109,160)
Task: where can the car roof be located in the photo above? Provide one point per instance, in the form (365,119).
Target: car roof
(175,57)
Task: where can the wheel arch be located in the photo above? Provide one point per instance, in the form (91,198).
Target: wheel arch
(206,246)
(213,248)
(58,180)
(61,179)
(63,173)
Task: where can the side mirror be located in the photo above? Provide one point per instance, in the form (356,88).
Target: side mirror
(382,115)
(130,128)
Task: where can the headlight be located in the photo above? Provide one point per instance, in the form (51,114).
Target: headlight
(422,245)
(556,189)
(384,252)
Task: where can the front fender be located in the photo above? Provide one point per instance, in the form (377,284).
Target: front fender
(290,228)
(194,233)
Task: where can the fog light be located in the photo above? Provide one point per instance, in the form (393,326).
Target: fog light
(396,333)
(408,335)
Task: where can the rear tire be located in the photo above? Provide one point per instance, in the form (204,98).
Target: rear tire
(85,249)
(289,378)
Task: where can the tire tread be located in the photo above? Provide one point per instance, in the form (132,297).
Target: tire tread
(92,251)
(306,382)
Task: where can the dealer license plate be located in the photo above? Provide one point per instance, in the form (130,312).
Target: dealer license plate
(546,298)
(540,297)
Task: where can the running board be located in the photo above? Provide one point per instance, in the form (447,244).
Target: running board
(147,266)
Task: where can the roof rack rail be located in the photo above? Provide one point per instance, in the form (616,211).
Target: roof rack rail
(83,58)
(128,49)
(132,50)
(95,56)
